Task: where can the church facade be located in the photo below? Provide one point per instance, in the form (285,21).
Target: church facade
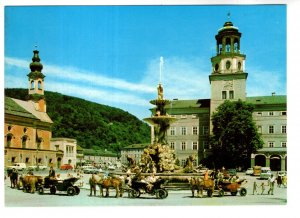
(189,135)
(27,126)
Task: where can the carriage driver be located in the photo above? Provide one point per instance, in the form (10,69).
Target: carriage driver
(51,173)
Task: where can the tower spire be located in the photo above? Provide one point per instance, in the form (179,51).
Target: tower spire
(228,15)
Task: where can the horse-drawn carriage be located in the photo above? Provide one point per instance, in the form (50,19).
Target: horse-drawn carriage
(60,185)
(155,188)
(232,187)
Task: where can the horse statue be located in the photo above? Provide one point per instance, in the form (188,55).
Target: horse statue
(106,183)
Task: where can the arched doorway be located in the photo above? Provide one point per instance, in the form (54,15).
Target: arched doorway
(275,162)
(260,160)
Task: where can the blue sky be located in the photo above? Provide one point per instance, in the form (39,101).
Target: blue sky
(111,54)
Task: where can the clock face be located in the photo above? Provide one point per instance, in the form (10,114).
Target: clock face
(228,64)
(216,67)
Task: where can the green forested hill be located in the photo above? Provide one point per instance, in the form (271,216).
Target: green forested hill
(95,126)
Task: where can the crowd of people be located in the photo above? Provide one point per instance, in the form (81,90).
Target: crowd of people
(270,184)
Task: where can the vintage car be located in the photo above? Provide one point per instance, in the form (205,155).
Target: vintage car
(66,167)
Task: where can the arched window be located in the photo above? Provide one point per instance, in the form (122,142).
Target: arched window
(236,45)
(32,84)
(24,141)
(227,46)
(39,85)
(8,140)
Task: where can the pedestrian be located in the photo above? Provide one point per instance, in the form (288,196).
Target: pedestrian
(279,181)
(262,188)
(255,186)
(271,181)
(52,173)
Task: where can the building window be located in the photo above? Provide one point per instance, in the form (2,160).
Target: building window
(172,145)
(206,145)
(194,116)
(231,95)
(27,160)
(56,147)
(195,130)
(271,129)
(39,85)
(259,113)
(32,84)
(183,163)
(8,140)
(283,113)
(283,129)
(195,145)
(183,146)
(271,113)
(224,95)
(205,130)
(271,144)
(172,131)
(183,130)
(283,144)
(259,129)
(24,141)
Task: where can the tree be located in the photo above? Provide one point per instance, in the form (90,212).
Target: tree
(235,135)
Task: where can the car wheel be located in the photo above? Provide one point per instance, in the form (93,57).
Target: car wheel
(41,190)
(53,190)
(134,193)
(221,192)
(161,193)
(71,191)
(243,192)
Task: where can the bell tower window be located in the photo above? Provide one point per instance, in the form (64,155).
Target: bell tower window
(39,85)
(227,46)
(32,84)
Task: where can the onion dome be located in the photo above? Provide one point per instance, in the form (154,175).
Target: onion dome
(35,66)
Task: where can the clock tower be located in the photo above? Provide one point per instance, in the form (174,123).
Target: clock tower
(228,76)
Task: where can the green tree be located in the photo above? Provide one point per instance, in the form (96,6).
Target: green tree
(235,135)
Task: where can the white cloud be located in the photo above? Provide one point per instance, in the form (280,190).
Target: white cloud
(262,82)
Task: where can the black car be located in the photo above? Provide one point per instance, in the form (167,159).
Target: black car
(60,185)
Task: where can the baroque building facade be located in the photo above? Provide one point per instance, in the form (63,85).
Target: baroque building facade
(27,126)
(189,135)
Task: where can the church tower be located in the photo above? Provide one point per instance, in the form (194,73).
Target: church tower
(36,83)
(228,76)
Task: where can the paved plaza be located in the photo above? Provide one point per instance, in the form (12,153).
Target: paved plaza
(17,198)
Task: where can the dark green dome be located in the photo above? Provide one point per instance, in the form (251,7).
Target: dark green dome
(36,65)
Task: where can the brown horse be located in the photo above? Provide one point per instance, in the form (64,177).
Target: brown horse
(200,184)
(13,176)
(106,183)
(30,182)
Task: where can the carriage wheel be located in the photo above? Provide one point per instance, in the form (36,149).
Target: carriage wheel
(41,190)
(134,193)
(161,193)
(77,189)
(53,190)
(243,192)
(233,193)
(71,191)
(209,193)
(221,192)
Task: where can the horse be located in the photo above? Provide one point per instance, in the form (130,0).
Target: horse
(30,182)
(13,176)
(106,183)
(200,184)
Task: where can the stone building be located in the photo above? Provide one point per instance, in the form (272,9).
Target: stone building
(67,151)
(27,127)
(189,135)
